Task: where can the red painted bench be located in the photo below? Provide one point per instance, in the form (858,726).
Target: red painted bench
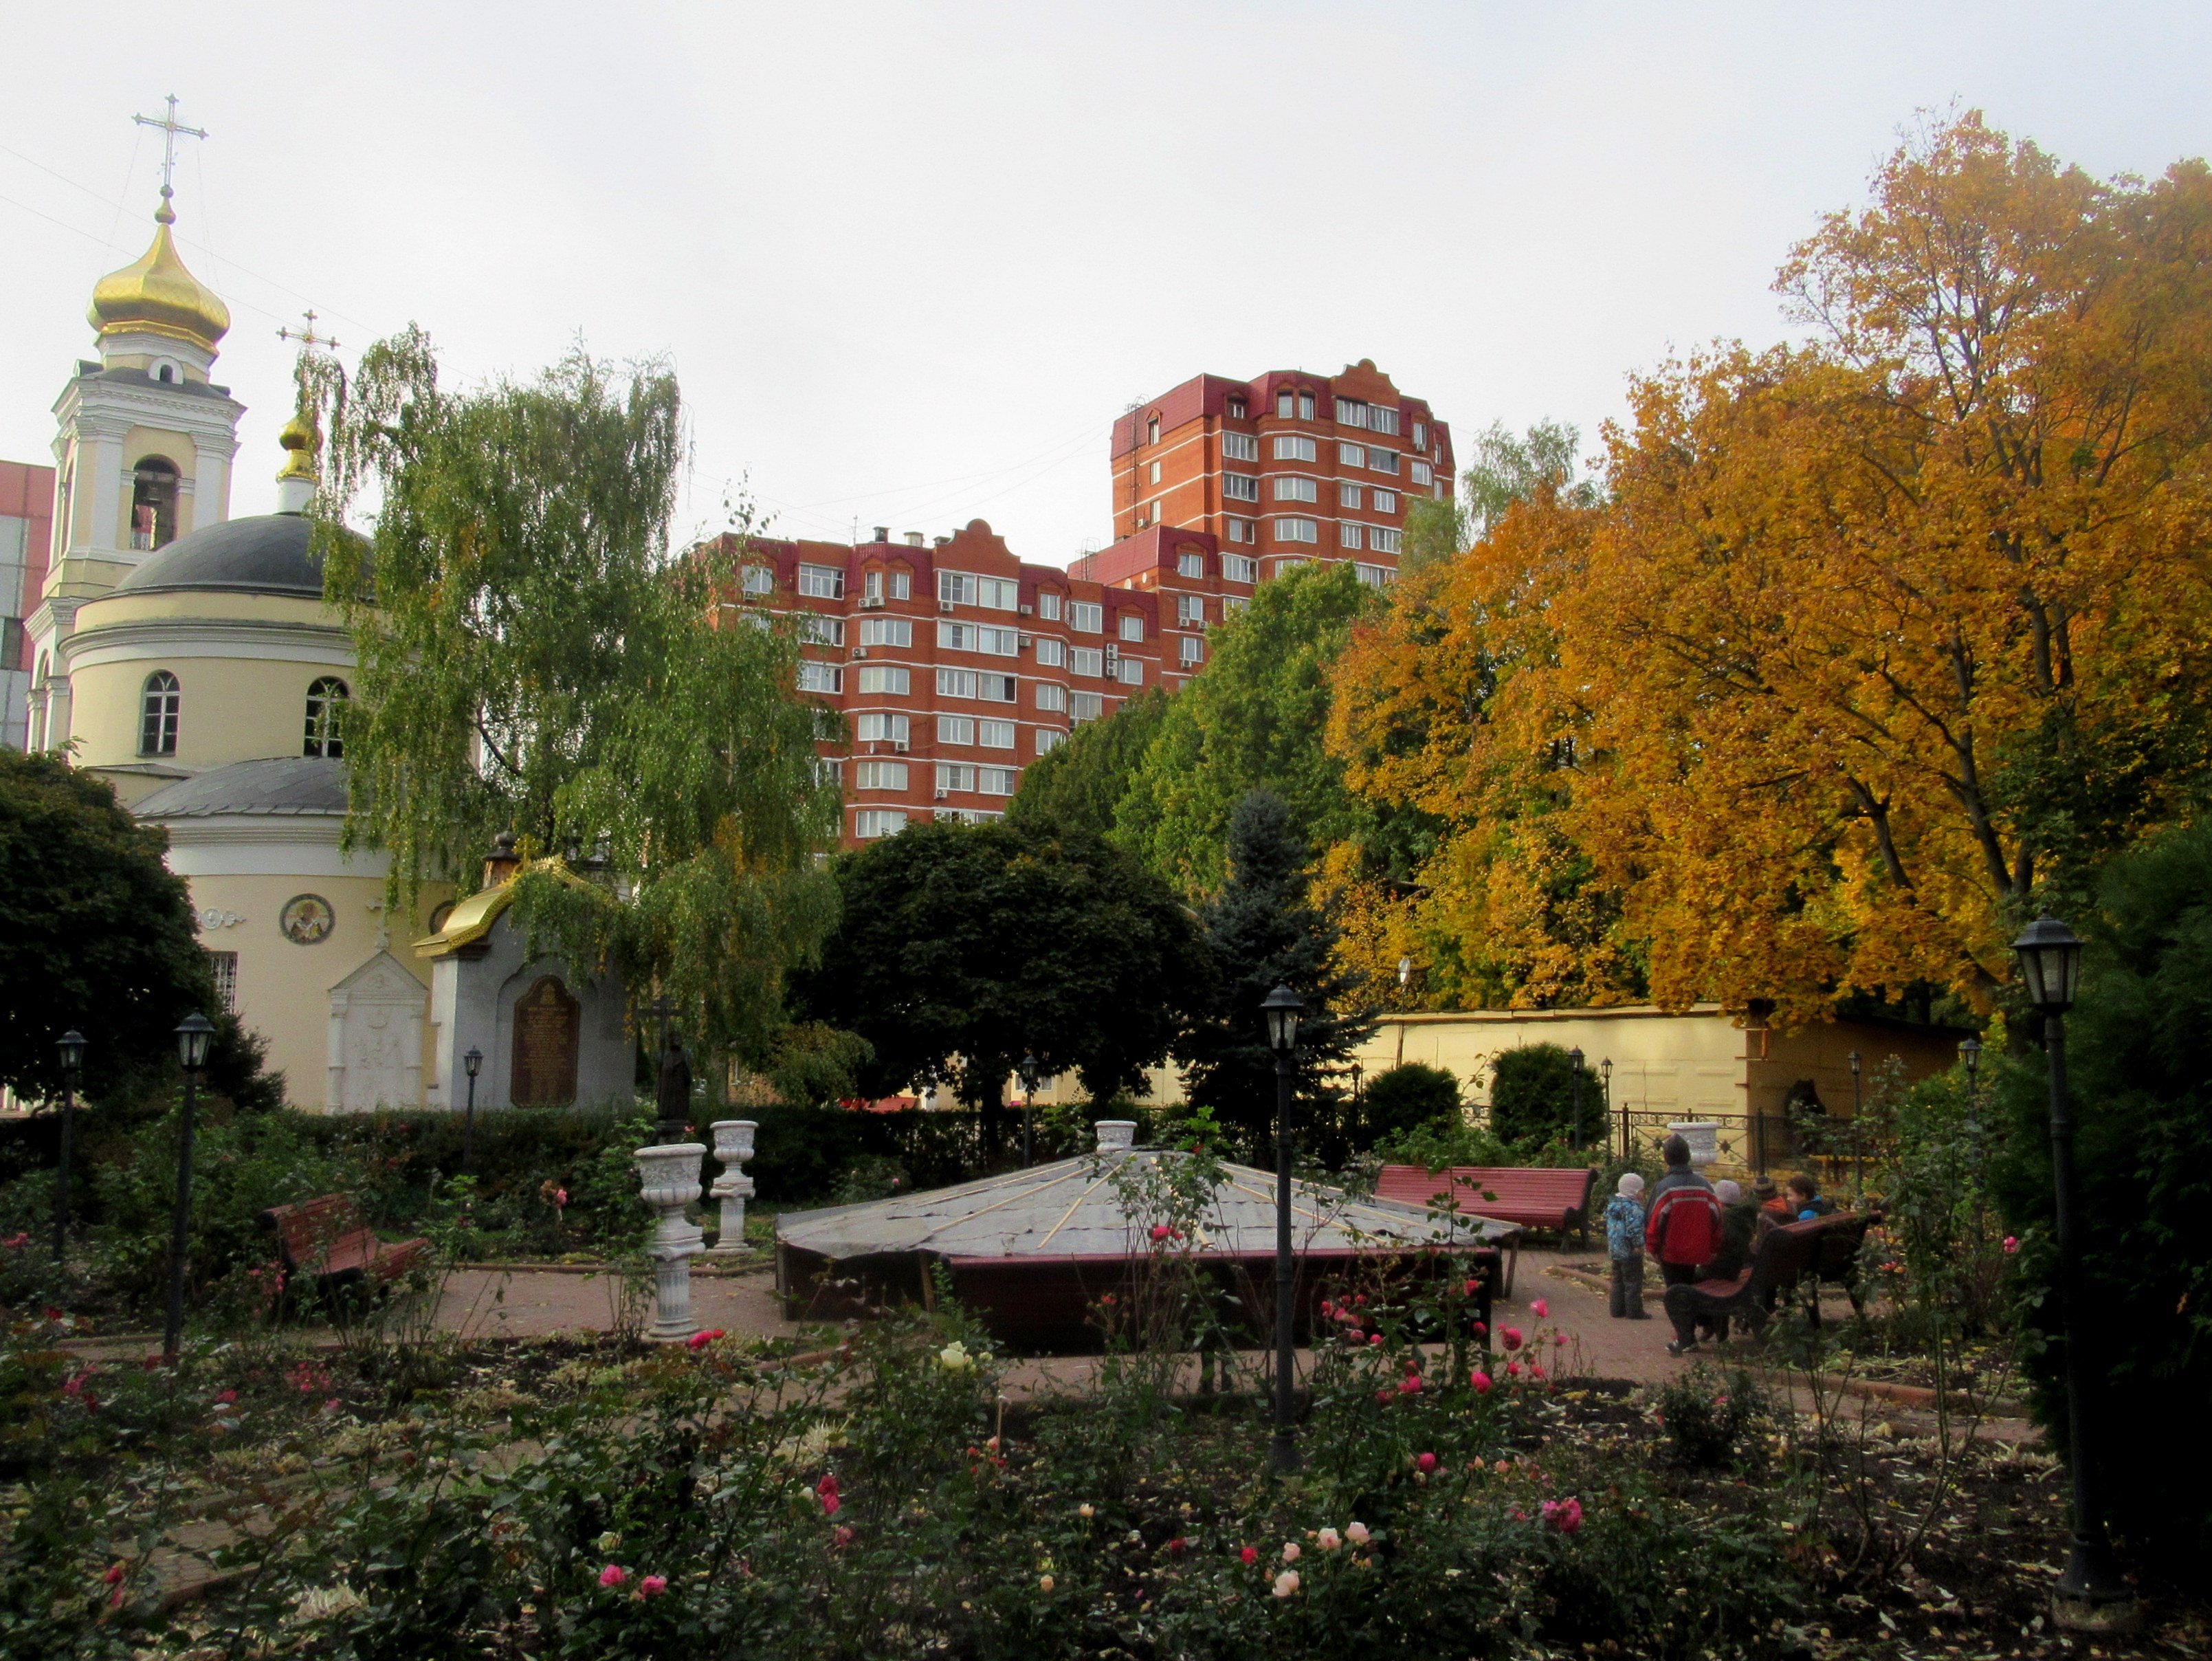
(1533,1196)
(326,1239)
(1788,1255)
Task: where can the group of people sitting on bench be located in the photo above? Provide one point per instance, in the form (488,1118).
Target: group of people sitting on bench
(1700,1232)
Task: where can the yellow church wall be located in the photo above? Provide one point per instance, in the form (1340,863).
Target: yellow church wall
(238,700)
(284,988)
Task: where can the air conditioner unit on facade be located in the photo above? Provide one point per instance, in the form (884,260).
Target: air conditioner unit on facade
(899,747)
(872,602)
(1029,611)
(945,606)
(860,651)
(944,796)
(1025,643)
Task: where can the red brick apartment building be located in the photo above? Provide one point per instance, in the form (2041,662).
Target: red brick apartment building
(1288,467)
(27,523)
(956,665)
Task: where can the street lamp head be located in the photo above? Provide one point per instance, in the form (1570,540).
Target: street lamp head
(1405,970)
(2051,964)
(1575,1057)
(71,1045)
(1853,1058)
(193,1033)
(1031,1073)
(472,1060)
(1605,1069)
(1970,1052)
(1283,1007)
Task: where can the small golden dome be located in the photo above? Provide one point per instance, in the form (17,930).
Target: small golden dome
(301,440)
(158,295)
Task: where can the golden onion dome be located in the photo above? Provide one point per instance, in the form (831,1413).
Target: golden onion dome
(158,295)
(301,441)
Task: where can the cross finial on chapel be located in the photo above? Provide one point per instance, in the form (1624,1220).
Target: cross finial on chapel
(307,337)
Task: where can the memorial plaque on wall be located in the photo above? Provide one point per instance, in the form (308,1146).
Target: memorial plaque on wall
(547,1023)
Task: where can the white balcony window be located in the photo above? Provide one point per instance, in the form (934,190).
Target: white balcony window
(997,781)
(1191,565)
(995,734)
(1382,461)
(1296,489)
(1192,651)
(1133,625)
(1085,706)
(822,581)
(1241,530)
(955,775)
(880,729)
(1420,472)
(871,823)
(823,678)
(1240,568)
(1051,695)
(1382,539)
(1386,501)
(1088,660)
(885,680)
(879,776)
(1050,654)
(1239,447)
(1087,616)
(1190,611)
(1294,447)
(815,630)
(1133,672)
(1350,412)
(1375,576)
(1351,455)
(1047,604)
(887,631)
(1297,530)
(1049,739)
(1239,487)
(760,581)
(955,729)
(1348,536)
(1351,496)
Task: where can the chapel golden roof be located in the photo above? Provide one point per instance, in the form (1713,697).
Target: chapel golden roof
(157,295)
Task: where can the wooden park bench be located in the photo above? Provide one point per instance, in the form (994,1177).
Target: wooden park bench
(327,1241)
(1786,1258)
(1533,1196)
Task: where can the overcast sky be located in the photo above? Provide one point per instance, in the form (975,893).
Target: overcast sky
(910,260)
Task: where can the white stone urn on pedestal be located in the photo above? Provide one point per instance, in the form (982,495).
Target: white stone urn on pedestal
(1705,1141)
(733,1146)
(669,1176)
(1115,1135)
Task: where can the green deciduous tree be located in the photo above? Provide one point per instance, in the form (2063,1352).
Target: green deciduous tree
(96,933)
(1264,934)
(964,947)
(534,658)
(1080,785)
(1252,720)
(1406,1097)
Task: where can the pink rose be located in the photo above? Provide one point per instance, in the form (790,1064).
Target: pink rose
(1355,1532)
(1513,1369)
(652,1585)
(2011,1244)
(613,1575)
(1468,1290)
(1161,1230)
(1249,1555)
(1480,1381)
(826,1489)
(1286,1584)
(1564,1515)
(700,1340)
(1427,1462)
(1511,1337)
(1410,1384)
(1540,1309)
(1374,1337)
(1291,1551)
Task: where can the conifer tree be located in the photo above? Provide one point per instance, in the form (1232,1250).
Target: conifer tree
(1263,933)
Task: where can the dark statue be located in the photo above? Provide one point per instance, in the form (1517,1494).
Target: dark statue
(673,1095)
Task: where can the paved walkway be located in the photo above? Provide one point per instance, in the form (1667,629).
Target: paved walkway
(536,1301)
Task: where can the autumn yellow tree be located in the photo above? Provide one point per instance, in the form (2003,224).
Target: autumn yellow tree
(1877,640)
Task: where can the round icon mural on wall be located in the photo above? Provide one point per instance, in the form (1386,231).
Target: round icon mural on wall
(307,920)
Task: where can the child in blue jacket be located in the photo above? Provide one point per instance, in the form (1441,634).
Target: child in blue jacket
(1624,1244)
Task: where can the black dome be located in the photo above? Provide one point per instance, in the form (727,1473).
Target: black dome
(267,554)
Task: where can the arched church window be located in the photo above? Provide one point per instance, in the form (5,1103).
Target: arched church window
(157,715)
(154,503)
(327,701)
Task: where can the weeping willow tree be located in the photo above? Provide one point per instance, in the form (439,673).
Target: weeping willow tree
(535,658)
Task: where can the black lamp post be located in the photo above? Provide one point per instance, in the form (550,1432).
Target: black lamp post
(1028,1076)
(72,1049)
(1605,1086)
(2090,1594)
(472,1064)
(1858,1147)
(1282,1007)
(193,1033)
(1575,1060)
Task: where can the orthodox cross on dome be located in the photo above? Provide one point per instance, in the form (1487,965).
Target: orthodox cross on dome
(172,129)
(307,337)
